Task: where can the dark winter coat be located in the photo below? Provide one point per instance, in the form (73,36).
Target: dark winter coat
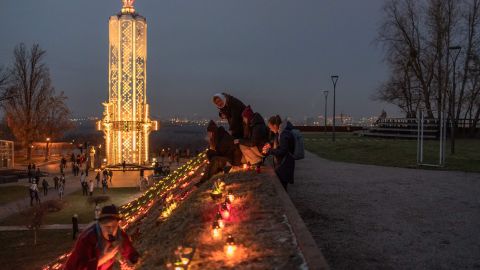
(283,150)
(224,146)
(233,110)
(256,133)
(89,246)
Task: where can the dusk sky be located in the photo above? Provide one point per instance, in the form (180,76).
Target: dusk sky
(276,55)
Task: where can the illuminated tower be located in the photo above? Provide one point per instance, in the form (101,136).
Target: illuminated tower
(126,122)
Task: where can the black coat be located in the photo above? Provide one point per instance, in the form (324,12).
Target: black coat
(233,110)
(256,133)
(224,146)
(284,161)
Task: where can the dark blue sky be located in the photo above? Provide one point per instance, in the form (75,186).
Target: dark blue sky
(276,55)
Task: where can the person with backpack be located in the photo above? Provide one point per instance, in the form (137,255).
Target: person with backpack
(283,149)
(254,138)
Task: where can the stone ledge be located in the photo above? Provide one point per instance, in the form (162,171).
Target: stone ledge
(312,254)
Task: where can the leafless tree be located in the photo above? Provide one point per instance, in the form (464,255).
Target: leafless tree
(416,36)
(33,111)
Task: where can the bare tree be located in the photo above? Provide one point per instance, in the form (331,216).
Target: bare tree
(34,111)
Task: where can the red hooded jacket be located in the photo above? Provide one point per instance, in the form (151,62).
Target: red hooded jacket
(88,250)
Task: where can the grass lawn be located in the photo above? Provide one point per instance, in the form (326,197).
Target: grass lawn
(392,152)
(12,193)
(19,253)
(75,203)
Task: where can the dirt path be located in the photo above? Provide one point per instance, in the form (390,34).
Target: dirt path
(371,217)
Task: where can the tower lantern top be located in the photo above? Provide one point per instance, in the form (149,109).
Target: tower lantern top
(128,6)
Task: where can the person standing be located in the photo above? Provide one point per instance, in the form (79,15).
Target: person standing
(230,108)
(37,175)
(75,229)
(29,172)
(124,164)
(61,189)
(90,187)
(283,149)
(45,187)
(104,184)
(83,182)
(55,182)
(110,174)
(97,177)
(34,193)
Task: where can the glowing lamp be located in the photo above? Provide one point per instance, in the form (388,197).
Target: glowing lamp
(225,211)
(216,230)
(228,204)
(219,219)
(230,246)
(245,166)
(230,197)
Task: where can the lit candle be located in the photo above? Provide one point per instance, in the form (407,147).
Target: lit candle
(230,246)
(230,197)
(218,218)
(216,231)
(225,211)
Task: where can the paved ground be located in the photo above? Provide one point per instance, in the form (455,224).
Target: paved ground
(371,217)
(120,179)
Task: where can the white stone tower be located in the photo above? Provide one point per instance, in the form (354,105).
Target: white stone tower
(126,122)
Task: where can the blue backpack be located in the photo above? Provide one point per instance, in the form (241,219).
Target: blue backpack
(299,152)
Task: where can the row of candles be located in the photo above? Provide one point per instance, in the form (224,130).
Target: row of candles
(134,210)
(222,216)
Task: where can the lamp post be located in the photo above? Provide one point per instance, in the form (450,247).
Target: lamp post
(334,81)
(325,93)
(46,149)
(455,53)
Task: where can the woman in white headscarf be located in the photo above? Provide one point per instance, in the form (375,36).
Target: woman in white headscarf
(231,108)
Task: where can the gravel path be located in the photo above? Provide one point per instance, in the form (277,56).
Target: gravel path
(371,217)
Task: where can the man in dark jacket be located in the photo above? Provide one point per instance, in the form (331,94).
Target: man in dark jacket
(255,137)
(98,245)
(221,151)
(231,109)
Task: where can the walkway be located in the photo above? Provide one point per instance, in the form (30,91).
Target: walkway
(372,217)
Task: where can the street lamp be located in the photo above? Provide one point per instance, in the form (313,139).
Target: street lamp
(455,53)
(325,93)
(334,81)
(46,149)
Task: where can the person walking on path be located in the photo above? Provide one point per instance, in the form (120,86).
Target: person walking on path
(104,185)
(34,193)
(90,187)
(37,175)
(83,182)
(45,187)
(61,189)
(97,177)
(283,149)
(55,182)
(75,229)
(30,172)
(230,108)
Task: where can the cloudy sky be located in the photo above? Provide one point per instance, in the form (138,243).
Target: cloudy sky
(276,55)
